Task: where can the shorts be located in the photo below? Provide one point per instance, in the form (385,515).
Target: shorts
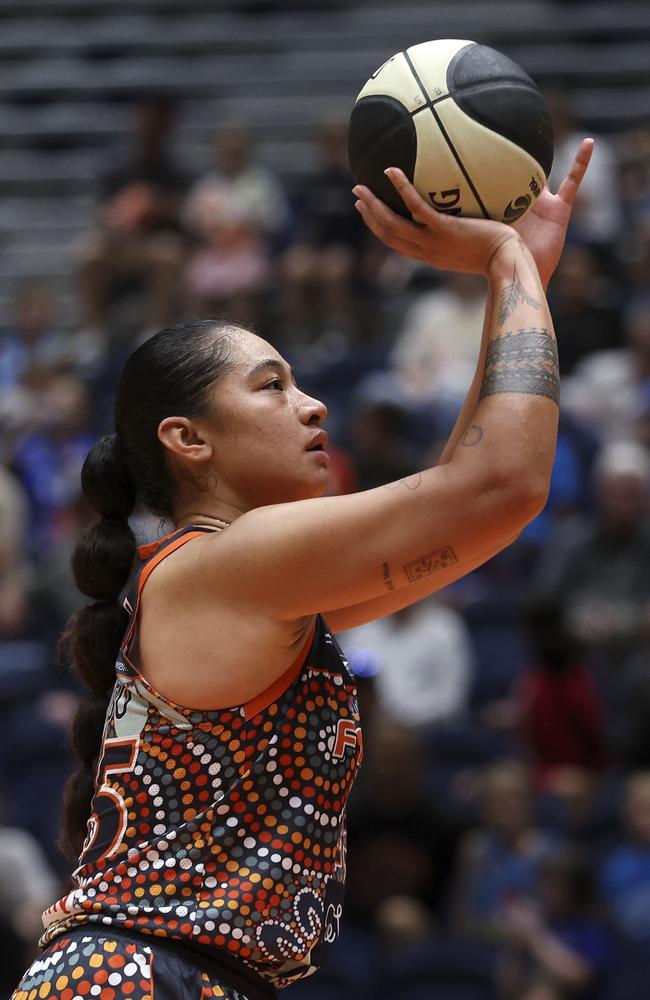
(92,961)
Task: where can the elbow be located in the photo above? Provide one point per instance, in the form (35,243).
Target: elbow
(528,495)
(518,495)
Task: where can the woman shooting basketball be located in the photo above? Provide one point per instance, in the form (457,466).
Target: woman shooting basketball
(208,810)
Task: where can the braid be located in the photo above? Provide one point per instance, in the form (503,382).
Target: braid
(101,563)
(172,372)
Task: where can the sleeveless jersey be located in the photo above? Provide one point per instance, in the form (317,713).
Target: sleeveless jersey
(225,828)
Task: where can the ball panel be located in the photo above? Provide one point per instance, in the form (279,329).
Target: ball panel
(430,61)
(395,79)
(382,134)
(508,179)
(438,176)
(496,92)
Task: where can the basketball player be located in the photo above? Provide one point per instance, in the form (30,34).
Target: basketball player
(223,735)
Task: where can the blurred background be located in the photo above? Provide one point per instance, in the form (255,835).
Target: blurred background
(170,158)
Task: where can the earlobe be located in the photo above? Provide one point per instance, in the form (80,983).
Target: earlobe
(183,438)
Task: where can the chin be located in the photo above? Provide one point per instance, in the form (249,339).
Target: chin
(313,489)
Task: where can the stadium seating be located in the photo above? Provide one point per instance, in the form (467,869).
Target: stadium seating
(68,68)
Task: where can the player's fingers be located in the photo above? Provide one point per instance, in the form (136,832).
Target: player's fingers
(568,189)
(414,201)
(387,235)
(393,222)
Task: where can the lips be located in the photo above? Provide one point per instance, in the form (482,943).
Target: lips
(318,442)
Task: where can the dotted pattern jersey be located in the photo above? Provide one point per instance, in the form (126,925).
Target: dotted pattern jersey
(223,828)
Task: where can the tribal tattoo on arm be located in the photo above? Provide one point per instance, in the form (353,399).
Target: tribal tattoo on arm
(524,361)
(511,296)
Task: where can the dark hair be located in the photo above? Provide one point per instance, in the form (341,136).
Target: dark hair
(169,374)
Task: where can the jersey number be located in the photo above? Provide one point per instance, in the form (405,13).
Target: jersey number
(107,822)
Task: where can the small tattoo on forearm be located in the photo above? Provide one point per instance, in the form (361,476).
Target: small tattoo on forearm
(431,563)
(524,361)
(511,296)
(410,483)
(472,436)
(388,580)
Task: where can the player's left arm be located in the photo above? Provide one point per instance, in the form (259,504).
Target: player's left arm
(543,229)
(343,619)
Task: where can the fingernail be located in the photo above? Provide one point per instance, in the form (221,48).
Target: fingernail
(357,205)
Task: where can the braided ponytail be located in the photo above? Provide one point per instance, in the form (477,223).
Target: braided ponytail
(172,372)
(101,563)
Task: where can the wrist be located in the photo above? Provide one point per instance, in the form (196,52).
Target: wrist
(512,250)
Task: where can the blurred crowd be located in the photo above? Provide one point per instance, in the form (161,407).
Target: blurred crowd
(500,831)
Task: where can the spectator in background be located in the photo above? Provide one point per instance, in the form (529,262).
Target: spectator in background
(35,342)
(230,269)
(563,948)
(138,239)
(239,177)
(325,262)
(399,845)
(427,362)
(379,443)
(586,307)
(608,389)
(32,340)
(425,661)
(626,869)
(499,863)
(48,460)
(560,713)
(598,569)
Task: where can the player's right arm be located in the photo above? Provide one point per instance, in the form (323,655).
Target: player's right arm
(295,559)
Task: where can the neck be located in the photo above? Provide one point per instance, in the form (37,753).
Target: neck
(224,515)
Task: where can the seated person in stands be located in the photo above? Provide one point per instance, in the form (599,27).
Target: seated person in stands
(230,269)
(499,862)
(237,172)
(562,948)
(48,460)
(325,260)
(401,847)
(138,238)
(557,708)
(598,568)
(625,872)
(31,339)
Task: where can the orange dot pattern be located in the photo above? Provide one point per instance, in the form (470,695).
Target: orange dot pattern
(95,965)
(233,829)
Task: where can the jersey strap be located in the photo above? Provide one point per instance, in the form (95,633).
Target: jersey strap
(151,555)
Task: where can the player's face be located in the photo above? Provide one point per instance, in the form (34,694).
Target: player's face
(269,446)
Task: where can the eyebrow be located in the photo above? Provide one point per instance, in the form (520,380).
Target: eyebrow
(271,363)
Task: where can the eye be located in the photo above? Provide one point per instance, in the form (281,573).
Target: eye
(275,383)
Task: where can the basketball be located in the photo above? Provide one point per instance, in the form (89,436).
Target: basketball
(465,123)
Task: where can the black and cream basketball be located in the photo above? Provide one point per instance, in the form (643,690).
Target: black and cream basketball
(465,123)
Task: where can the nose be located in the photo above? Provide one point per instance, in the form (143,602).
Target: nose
(312,411)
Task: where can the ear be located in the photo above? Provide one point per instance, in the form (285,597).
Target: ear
(185,439)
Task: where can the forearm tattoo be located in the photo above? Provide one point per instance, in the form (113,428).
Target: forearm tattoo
(511,296)
(523,362)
